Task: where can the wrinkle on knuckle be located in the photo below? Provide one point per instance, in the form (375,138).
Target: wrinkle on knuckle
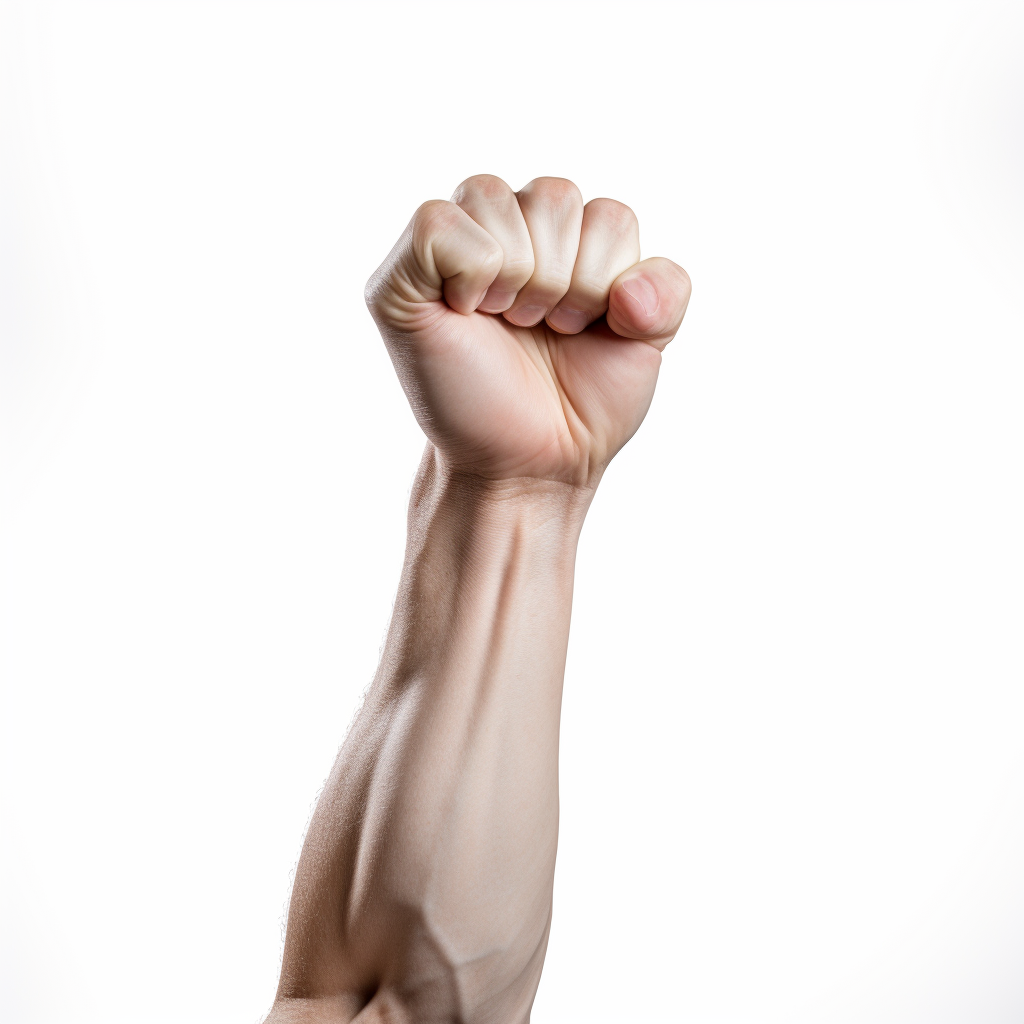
(492,258)
(588,296)
(549,288)
(518,268)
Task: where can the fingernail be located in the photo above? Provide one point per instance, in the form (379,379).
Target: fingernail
(526,316)
(643,291)
(571,321)
(496,300)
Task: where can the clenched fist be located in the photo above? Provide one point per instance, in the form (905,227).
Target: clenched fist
(525,329)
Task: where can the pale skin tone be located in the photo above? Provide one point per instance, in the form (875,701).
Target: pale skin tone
(528,335)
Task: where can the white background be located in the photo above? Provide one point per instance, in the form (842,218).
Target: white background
(792,776)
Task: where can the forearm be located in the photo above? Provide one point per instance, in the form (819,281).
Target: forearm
(427,872)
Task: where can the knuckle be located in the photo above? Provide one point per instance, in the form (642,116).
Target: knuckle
(486,186)
(518,269)
(588,295)
(432,216)
(492,257)
(560,191)
(613,213)
(554,282)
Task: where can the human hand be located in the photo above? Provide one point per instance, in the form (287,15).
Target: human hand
(525,330)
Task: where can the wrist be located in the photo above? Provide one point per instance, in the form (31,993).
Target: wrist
(540,503)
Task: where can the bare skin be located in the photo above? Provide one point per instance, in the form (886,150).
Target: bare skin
(527,335)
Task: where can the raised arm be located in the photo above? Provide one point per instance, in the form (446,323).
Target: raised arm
(528,337)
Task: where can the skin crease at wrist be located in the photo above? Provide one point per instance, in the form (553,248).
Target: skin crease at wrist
(424,889)
(542,499)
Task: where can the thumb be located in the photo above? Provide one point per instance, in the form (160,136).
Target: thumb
(647,302)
